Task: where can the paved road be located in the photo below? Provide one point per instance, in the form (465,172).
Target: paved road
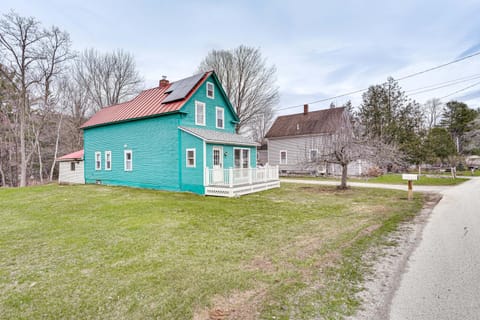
(371,185)
(442,280)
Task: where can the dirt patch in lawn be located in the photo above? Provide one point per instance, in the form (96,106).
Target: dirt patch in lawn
(237,306)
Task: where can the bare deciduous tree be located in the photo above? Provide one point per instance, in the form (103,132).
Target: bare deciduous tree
(248,82)
(346,145)
(433,112)
(108,78)
(20,46)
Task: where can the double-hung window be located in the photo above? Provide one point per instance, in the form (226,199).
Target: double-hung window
(313,155)
(199,113)
(128,160)
(98,160)
(220,118)
(283,157)
(190,158)
(210,90)
(241,158)
(108,160)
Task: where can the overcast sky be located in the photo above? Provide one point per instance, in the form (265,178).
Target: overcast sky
(320,48)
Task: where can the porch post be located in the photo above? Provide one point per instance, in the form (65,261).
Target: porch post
(230,177)
(206,181)
(250,175)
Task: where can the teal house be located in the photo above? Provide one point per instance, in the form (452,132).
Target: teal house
(179,136)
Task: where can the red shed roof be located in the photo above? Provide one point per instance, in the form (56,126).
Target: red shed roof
(148,103)
(77,155)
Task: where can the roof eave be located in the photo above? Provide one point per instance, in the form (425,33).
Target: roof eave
(131,119)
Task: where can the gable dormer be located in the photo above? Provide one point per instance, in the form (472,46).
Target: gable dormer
(209,107)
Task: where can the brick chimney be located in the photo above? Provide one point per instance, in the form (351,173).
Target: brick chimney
(305,109)
(163,83)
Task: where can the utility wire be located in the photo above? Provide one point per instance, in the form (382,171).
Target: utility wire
(398,79)
(463,89)
(439,66)
(443,84)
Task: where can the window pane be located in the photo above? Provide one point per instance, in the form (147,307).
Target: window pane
(216,157)
(237,158)
(200,113)
(209,90)
(245,158)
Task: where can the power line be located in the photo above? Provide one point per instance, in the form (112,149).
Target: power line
(443,84)
(398,79)
(439,66)
(463,89)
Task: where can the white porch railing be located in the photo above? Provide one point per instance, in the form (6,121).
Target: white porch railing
(236,182)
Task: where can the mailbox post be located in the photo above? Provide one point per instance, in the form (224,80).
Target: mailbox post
(410,178)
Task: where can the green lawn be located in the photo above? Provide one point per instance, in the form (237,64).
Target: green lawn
(97,252)
(397,179)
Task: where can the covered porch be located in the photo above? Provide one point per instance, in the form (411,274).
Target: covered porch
(234,182)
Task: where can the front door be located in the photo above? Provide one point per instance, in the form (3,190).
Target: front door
(217,164)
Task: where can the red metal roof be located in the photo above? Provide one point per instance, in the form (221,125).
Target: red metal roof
(77,155)
(147,103)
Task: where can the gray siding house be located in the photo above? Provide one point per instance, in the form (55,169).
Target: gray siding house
(294,141)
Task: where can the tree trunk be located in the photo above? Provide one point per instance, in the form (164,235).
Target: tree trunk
(2,175)
(343,184)
(23,156)
(40,162)
(54,162)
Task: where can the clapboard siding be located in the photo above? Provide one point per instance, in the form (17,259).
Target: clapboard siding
(66,175)
(298,153)
(298,150)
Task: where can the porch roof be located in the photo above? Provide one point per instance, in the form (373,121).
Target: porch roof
(212,136)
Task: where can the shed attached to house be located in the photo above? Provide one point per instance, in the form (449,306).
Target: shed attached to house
(71,168)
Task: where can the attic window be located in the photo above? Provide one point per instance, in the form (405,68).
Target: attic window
(210,90)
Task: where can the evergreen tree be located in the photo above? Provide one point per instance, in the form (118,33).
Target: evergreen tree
(388,115)
(458,119)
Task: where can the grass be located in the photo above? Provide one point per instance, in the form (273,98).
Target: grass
(97,252)
(397,179)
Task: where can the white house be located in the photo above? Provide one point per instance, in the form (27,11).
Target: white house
(294,141)
(71,168)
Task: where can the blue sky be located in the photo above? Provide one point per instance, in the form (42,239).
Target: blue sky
(320,48)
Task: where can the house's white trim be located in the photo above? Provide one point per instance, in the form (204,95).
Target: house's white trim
(250,144)
(125,152)
(194,158)
(213,90)
(241,157)
(216,117)
(108,153)
(286,157)
(204,162)
(98,160)
(199,104)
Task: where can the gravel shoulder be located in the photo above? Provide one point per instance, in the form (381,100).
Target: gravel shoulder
(390,263)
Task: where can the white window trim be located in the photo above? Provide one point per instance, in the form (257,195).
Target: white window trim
(241,157)
(223,117)
(125,160)
(286,157)
(213,90)
(97,168)
(110,154)
(202,105)
(194,158)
